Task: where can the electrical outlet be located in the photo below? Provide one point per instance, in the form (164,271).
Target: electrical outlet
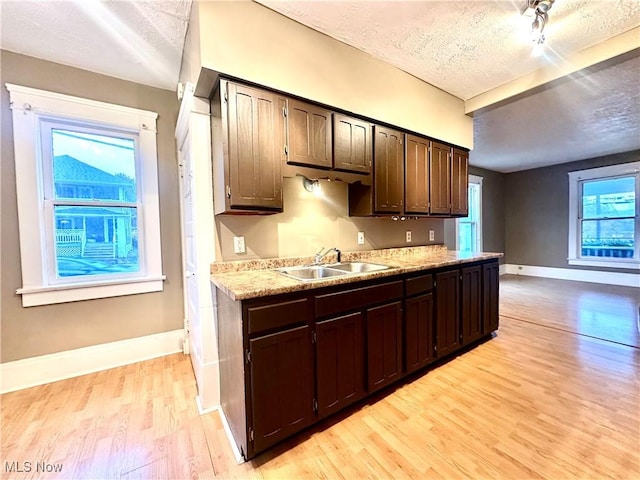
(360,238)
(432,235)
(408,236)
(238,245)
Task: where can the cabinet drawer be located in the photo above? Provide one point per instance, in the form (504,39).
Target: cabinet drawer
(418,285)
(357,298)
(277,315)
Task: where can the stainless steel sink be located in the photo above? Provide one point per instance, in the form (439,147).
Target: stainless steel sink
(315,272)
(359,267)
(321,272)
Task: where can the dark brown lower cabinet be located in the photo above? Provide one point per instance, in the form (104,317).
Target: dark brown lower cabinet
(490,296)
(281,372)
(339,362)
(447,312)
(471,304)
(418,324)
(275,380)
(384,345)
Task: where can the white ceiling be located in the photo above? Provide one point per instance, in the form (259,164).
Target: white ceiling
(461,46)
(137,40)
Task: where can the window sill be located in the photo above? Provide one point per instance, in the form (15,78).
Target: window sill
(74,292)
(623,264)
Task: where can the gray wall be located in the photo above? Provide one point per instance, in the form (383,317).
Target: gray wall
(32,331)
(493,239)
(537,212)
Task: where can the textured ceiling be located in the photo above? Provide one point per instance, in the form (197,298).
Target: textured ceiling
(583,116)
(139,40)
(462,47)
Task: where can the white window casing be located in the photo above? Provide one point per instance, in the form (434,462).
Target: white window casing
(575,198)
(31,108)
(477,180)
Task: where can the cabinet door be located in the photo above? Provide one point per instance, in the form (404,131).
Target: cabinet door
(490,296)
(309,135)
(351,144)
(388,170)
(460,183)
(340,362)
(256,148)
(471,304)
(440,178)
(281,373)
(418,335)
(384,345)
(416,175)
(447,312)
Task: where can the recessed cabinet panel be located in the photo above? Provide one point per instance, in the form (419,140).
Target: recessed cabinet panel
(351,144)
(384,345)
(281,373)
(440,179)
(309,137)
(447,312)
(416,175)
(460,183)
(471,304)
(388,170)
(490,296)
(255,127)
(418,331)
(340,362)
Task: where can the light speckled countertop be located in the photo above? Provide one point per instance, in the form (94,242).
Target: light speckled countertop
(241,280)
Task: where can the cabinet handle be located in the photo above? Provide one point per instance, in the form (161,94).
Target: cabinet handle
(228,191)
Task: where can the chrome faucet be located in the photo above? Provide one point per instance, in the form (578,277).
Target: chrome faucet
(317,258)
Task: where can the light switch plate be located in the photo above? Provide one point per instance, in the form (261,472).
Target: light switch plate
(360,238)
(432,235)
(408,236)
(238,245)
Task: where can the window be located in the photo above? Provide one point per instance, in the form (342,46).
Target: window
(603,216)
(469,229)
(88,210)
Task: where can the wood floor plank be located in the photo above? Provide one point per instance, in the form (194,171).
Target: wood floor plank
(539,400)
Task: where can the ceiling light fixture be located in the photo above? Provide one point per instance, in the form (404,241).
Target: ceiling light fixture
(537,10)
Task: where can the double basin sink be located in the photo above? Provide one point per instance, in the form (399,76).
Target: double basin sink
(334,270)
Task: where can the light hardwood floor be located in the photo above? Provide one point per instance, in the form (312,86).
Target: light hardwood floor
(608,312)
(533,402)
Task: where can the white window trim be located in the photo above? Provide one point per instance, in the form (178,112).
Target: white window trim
(574,205)
(477,180)
(28,107)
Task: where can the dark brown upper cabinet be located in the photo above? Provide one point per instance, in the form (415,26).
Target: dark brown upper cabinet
(388,170)
(308,135)
(351,144)
(440,178)
(416,161)
(248,131)
(459,183)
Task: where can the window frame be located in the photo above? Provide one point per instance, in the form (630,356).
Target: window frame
(576,179)
(32,108)
(477,180)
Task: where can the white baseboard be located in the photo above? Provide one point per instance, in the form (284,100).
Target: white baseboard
(503,269)
(591,276)
(34,371)
(236,452)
